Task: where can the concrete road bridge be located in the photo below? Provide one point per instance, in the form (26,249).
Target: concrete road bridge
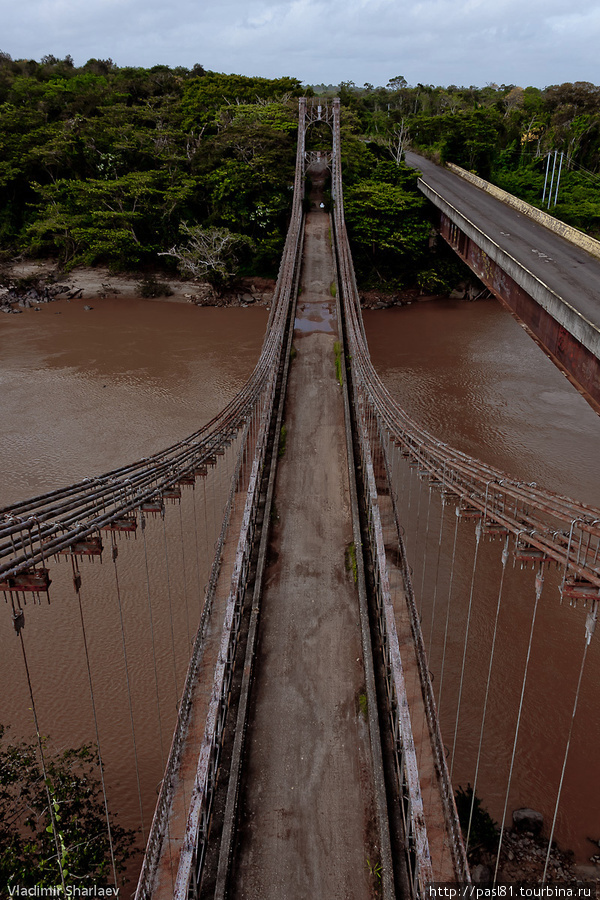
(545,272)
(307,757)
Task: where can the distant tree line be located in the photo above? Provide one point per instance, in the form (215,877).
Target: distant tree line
(502,132)
(135,167)
(101,164)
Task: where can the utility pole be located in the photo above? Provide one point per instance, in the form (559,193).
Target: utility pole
(546,178)
(558,177)
(552,177)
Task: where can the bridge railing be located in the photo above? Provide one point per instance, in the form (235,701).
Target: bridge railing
(544,526)
(409,789)
(193,850)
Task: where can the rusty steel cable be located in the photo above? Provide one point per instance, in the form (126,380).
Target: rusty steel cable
(42,526)
(546,525)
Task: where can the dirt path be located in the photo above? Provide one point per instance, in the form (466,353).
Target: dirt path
(307,809)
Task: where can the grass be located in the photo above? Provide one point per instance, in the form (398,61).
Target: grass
(337,349)
(374,869)
(363,704)
(350,558)
(293,353)
(332,289)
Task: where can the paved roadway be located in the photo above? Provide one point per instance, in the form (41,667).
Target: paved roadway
(565,268)
(308,806)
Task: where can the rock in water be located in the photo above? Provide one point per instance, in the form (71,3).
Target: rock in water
(528,820)
(481,875)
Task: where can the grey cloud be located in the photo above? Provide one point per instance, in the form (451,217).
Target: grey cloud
(432,41)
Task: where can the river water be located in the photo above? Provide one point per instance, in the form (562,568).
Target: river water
(85,391)
(471,375)
(82,392)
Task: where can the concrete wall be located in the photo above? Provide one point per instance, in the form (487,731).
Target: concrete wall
(566,315)
(543,218)
(568,337)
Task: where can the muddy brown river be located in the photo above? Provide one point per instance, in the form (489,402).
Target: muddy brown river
(83,392)
(471,375)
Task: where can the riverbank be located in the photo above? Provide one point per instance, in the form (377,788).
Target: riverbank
(523,861)
(375,299)
(30,283)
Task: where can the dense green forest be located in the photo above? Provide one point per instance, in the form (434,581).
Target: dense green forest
(101,164)
(503,133)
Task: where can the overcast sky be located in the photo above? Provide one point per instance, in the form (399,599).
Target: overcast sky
(463,42)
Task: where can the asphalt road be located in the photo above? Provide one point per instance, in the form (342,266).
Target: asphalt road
(565,268)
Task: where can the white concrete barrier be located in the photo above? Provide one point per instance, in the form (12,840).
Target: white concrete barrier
(590,244)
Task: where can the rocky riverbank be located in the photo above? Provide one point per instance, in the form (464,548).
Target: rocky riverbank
(381,300)
(27,285)
(523,857)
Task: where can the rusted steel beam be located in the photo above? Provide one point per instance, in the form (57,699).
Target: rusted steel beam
(34,581)
(562,346)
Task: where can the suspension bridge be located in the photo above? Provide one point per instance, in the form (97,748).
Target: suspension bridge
(346,646)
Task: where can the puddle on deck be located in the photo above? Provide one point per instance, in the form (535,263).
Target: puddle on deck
(315,316)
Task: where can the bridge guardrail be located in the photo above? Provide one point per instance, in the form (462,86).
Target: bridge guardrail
(574,235)
(198,819)
(418,852)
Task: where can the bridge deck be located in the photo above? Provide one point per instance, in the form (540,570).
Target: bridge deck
(166,871)
(307,810)
(564,267)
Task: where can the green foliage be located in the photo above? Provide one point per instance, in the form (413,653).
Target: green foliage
(388,225)
(204,97)
(151,287)
(363,705)
(97,220)
(101,164)
(577,203)
(484,831)
(374,869)
(441,270)
(27,830)
(351,563)
(337,351)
